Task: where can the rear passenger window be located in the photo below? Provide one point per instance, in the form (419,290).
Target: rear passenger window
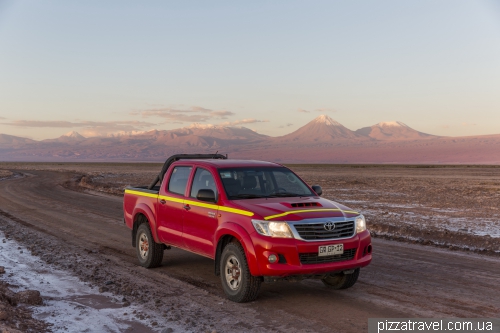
(203,179)
(179,179)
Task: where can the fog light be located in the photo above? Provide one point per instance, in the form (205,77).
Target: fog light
(272,258)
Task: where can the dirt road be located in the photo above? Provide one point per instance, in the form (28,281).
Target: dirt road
(404,280)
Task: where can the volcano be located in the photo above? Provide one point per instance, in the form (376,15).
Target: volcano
(320,129)
(392,130)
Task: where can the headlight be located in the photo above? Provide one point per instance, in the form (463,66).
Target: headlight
(360,224)
(272,229)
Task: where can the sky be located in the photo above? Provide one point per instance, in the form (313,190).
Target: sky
(104,67)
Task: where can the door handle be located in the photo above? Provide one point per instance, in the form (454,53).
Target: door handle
(163,201)
(186,207)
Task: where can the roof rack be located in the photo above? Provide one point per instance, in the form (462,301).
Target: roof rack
(177,157)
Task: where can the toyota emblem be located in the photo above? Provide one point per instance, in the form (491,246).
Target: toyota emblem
(329,226)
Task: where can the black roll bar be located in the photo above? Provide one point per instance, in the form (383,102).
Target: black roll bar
(177,157)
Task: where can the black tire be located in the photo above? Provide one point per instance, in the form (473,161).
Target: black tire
(149,253)
(239,285)
(341,280)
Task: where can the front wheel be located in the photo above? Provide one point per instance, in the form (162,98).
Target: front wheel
(238,284)
(149,253)
(341,280)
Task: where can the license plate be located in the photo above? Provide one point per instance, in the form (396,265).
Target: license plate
(330,250)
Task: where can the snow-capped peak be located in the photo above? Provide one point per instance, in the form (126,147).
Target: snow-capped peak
(73,134)
(391,124)
(128,133)
(203,126)
(324,119)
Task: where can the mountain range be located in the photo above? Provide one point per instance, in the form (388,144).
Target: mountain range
(323,140)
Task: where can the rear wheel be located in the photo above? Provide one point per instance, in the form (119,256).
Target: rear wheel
(341,280)
(149,253)
(238,284)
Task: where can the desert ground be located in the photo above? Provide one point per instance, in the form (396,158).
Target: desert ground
(436,238)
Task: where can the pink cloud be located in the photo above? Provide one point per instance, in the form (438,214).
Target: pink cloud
(243,121)
(191,114)
(69,124)
(178,117)
(87,128)
(222,113)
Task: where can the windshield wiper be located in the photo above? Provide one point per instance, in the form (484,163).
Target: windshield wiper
(247,196)
(284,194)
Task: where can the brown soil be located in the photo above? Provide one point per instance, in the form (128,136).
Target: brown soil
(14,315)
(5,174)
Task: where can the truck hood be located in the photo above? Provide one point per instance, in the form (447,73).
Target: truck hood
(294,209)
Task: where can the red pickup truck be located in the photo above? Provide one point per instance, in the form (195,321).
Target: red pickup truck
(258,220)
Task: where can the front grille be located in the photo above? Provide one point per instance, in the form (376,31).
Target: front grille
(317,231)
(313,258)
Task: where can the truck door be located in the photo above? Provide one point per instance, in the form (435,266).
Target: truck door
(200,220)
(171,205)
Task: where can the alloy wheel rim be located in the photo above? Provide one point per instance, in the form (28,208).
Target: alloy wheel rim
(232,272)
(143,245)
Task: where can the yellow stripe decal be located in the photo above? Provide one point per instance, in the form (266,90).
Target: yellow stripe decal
(142,194)
(307,211)
(236,211)
(193,203)
(201,204)
(170,199)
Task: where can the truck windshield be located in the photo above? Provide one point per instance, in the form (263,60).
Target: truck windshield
(265,182)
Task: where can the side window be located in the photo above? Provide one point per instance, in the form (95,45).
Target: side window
(203,179)
(179,179)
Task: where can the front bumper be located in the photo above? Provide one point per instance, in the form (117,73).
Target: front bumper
(298,257)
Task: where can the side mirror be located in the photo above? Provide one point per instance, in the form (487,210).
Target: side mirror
(206,194)
(317,189)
